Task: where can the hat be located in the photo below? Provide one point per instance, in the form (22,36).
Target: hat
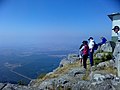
(85,42)
(90,38)
(116,27)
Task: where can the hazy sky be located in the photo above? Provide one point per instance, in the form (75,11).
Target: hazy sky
(54,22)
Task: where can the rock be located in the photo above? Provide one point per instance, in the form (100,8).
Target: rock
(112,63)
(108,47)
(2,85)
(102,65)
(76,71)
(109,76)
(32,82)
(98,78)
(62,80)
(108,87)
(47,85)
(99,55)
(71,59)
(93,68)
(73,56)
(64,62)
(117,79)
(16,87)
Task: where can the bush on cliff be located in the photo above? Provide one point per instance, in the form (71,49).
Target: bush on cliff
(105,57)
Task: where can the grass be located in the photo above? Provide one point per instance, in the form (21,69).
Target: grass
(86,76)
(41,75)
(109,70)
(106,56)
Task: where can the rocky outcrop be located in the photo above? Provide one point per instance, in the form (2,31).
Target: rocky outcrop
(70,59)
(75,79)
(99,77)
(9,86)
(65,81)
(109,46)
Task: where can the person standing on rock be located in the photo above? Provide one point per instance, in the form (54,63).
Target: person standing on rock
(85,52)
(91,50)
(103,41)
(117,30)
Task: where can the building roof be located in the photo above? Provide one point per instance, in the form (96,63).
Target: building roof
(113,14)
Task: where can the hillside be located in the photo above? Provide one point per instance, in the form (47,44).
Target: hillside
(70,75)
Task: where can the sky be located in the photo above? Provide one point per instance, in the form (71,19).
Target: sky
(54,23)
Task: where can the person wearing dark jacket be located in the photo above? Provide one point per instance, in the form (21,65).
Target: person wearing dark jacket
(103,41)
(85,51)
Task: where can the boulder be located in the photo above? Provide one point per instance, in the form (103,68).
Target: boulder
(102,65)
(64,62)
(98,78)
(47,85)
(112,63)
(99,55)
(16,87)
(2,85)
(108,47)
(73,56)
(76,71)
(70,59)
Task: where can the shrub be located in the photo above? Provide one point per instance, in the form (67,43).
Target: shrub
(41,75)
(106,56)
(21,82)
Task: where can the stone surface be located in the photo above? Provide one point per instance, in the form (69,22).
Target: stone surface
(2,85)
(99,55)
(70,59)
(108,46)
(73,78)
(64,62)
(102,65)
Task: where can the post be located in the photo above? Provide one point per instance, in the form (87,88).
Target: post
(118,65)
(116,55)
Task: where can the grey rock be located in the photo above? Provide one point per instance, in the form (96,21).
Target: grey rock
(102,65)
(98,78)
(109,76)
(45,85)
(108,46)
(76,71)
(2,85)
(16,87)
(73,56)
(70,59)
(64,62)
(99,55)
(112,63)
(117,79)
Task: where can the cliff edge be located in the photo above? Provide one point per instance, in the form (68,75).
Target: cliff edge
(70,75)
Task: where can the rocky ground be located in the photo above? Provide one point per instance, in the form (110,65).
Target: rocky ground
(70,75)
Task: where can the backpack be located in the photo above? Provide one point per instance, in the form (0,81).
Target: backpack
(86,50)
(95,46)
